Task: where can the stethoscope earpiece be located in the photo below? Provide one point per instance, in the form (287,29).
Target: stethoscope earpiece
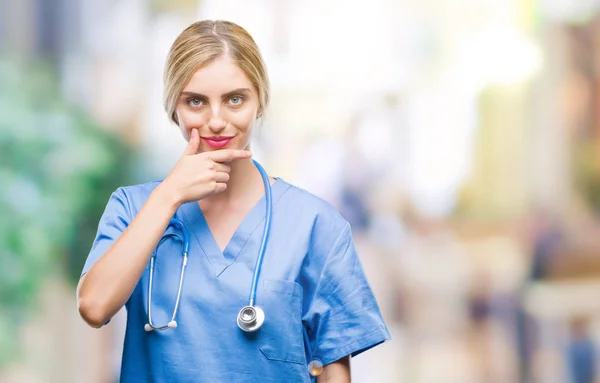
(185,246)
(148,327)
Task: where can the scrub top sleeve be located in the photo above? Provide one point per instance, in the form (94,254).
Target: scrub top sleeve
(113,222)
(344,317)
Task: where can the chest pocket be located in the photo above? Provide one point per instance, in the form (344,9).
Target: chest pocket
(282,333)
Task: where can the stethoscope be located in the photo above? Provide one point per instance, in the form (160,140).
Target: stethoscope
(251,317)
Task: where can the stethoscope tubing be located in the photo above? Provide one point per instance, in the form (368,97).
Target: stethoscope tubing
(185,246)
(177,224)
(265,238)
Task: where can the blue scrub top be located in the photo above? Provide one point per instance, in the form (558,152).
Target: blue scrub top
(312,288)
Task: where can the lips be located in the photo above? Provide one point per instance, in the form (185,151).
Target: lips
(217,141)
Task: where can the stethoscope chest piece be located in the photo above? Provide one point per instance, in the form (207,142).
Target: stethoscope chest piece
(250,318)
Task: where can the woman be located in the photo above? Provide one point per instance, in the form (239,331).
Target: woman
(318,305)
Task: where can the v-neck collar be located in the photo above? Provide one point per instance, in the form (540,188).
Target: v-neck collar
(196,222)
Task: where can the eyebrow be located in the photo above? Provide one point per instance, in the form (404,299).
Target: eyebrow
(223,96)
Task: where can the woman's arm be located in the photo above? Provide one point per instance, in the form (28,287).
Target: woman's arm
(336,372)
(111,280)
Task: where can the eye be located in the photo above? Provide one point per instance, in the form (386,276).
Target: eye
(236,100)
(194,102)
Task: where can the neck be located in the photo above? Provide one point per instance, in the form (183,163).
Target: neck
(242,180)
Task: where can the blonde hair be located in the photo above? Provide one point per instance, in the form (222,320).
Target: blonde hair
(201,43)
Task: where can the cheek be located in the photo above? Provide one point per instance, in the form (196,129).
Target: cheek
(189,119)
(242,119)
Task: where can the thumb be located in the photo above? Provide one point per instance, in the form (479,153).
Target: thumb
(194,143)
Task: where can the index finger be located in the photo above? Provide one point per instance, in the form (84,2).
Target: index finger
(228,155)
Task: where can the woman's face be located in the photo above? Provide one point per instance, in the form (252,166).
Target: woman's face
(221,102)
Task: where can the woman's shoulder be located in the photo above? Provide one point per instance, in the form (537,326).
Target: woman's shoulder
(305,203)
(137,192)
(301,195)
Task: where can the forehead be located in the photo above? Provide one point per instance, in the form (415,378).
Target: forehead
(221,75)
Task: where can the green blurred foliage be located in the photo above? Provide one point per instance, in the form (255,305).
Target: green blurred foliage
(586,170)
(57,170)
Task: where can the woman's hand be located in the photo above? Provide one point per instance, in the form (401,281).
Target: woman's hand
(197,176)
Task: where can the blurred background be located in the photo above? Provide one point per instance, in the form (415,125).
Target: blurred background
(460,138)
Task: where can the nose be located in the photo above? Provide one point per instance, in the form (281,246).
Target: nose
(216,122)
